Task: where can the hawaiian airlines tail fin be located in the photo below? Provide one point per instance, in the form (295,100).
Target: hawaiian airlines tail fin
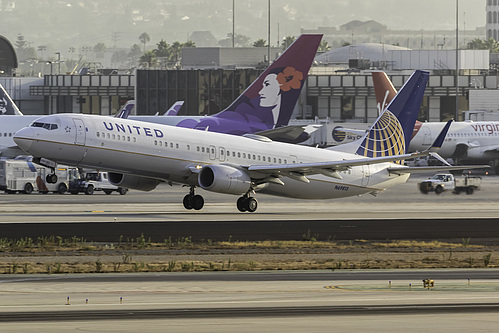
(391,133)
(125,111)
(273,95)
(7,106)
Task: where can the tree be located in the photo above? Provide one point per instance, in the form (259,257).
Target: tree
(479,44)
(149,58)
(144,39)
(100,49)
(135,53)
(162,49)
(324,46)
(23,50)
(260,43)
(287,41)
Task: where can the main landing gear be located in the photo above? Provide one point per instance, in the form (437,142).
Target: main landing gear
(193,201)
(247,203)
(196,202)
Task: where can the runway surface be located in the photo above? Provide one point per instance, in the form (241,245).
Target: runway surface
(374,301)
(399,213)
(249,301)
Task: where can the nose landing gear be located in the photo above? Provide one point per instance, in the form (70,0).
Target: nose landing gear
(193,201)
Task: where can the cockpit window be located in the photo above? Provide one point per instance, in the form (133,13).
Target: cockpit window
(47,126)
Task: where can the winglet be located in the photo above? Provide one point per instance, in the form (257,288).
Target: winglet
(440,138)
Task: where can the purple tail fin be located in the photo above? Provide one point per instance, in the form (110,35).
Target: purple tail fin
(270,100)
(173,110)
(125,111)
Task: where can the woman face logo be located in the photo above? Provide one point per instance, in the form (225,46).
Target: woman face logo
(270,92)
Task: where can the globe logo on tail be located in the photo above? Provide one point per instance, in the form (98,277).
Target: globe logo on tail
(386,138)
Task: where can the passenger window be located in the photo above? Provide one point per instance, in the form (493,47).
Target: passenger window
(188,147)
(176,145)
(244,155)
(171,144)
(198,148)
(119,138)
(98,134)
(239,154)
(128,138)
(263,158)
(134,139)
(155,142)
(114,136)
(202,149)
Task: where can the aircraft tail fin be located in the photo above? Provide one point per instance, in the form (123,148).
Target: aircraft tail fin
(125,111)
(173,110)
(290,70)
(392,131)
(383,89)
(7,105)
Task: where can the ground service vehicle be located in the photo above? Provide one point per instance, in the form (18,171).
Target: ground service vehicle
(24,176)
(95,181)
(447,182)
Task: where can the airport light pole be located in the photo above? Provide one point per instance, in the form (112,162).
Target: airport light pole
(457,60)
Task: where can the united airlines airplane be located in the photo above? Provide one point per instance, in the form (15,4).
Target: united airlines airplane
(467,141)
(265,106)
(140,155)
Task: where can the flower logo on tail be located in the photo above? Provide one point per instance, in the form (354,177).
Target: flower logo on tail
(289,79)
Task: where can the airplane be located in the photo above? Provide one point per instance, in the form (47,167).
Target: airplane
(266,105)
(11,120)
(141,155)
(466,142)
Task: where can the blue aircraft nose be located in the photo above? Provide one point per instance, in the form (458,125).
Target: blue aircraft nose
(24,138)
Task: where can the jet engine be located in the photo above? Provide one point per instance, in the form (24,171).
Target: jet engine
(224,179)
(132,182)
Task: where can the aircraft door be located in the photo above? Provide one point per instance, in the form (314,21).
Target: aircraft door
(213,152)
(80,132)
(366,173)
(427,139)
(221,154)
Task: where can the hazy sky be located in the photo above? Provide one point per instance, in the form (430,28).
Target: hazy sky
(78,23)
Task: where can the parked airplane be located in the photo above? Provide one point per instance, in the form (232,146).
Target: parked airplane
(11,120)
(266,105)
(140,155)
(467,141)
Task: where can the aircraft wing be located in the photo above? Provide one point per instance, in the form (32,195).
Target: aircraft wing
(299,171)
(290,134)
(492,149)
(411,170)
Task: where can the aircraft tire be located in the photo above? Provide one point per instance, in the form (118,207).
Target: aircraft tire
(251,204)
(187,201)
(51,179)
(197,202)
(241,204)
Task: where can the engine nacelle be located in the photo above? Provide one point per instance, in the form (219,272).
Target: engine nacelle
(132,182)
(224,179)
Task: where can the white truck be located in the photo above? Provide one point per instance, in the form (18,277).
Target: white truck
(447,182)
(24,176)
(95,181)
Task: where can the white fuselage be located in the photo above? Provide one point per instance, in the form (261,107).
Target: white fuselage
(171,153)
(480,140)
